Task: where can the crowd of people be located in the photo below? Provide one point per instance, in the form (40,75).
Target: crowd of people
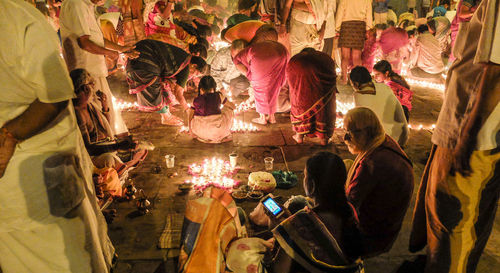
(65,149)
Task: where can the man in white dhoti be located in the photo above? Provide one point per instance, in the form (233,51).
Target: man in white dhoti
(49,219)
(85,47)
(307,23)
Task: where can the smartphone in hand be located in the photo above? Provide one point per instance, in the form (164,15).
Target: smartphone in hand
(273,208)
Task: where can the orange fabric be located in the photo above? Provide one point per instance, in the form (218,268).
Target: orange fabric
(245,30)
(111,182)
(213,219)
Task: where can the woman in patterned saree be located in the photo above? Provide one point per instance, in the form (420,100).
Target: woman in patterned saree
(311,78)
(159,75)
(324,238)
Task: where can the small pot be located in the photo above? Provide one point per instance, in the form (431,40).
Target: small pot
(185,187)
(255,195)
(239,195)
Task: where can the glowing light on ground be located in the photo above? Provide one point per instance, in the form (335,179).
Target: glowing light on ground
(241,127)
(425,84)
(221,44)
(212,172)
(243,107)
(123,105)
(422,127)
(344,107)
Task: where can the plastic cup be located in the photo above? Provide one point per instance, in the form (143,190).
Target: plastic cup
(233,160)
(268,163)
(170,161)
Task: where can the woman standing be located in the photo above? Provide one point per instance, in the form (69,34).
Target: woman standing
(311,79)
(133,22)
(354,18)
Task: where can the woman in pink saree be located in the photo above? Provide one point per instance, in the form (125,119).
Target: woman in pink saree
(264,63)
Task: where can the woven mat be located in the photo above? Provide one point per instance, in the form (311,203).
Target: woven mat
(171,235)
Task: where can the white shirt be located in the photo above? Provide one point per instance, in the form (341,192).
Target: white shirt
(388,109)
(78,19)
(330,19)
(354,10)
(31,68)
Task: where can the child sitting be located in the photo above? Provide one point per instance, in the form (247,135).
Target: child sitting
(211,116)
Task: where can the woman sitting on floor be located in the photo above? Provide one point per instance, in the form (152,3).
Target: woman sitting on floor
(211,116)
(322,239)
(383,73)
(379,182)
(96,131)
(381,100)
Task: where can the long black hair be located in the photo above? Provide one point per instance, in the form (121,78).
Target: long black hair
(385,67)
(207,83)
(328,172)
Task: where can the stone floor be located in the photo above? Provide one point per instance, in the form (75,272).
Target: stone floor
(136,237)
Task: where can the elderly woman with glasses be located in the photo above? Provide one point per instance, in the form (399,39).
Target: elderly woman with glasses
(379,182)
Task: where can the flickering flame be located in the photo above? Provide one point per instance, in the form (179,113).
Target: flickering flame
(243,107)
(123,105)
(212,172)
(240,126)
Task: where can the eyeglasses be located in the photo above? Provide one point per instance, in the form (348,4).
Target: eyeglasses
(348,133)
(347,136)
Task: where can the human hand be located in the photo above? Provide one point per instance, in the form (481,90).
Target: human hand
(132,54)
(129,52)
(112,54)
(7,148)
(102,97)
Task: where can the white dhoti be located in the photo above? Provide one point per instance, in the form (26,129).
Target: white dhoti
(302,36)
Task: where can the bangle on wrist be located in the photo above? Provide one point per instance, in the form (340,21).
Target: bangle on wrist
(9,134)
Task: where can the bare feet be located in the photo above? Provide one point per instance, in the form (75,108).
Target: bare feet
(271,119)
(171,120)
(298,138)
(260,120)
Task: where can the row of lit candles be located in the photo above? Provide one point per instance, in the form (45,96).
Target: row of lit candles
(214,171)
(243,107)
(123,105)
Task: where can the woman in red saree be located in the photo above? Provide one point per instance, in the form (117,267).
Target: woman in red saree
(312,80)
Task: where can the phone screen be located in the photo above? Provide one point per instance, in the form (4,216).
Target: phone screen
(272,206)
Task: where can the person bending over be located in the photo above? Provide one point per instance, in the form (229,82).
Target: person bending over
(159,75)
